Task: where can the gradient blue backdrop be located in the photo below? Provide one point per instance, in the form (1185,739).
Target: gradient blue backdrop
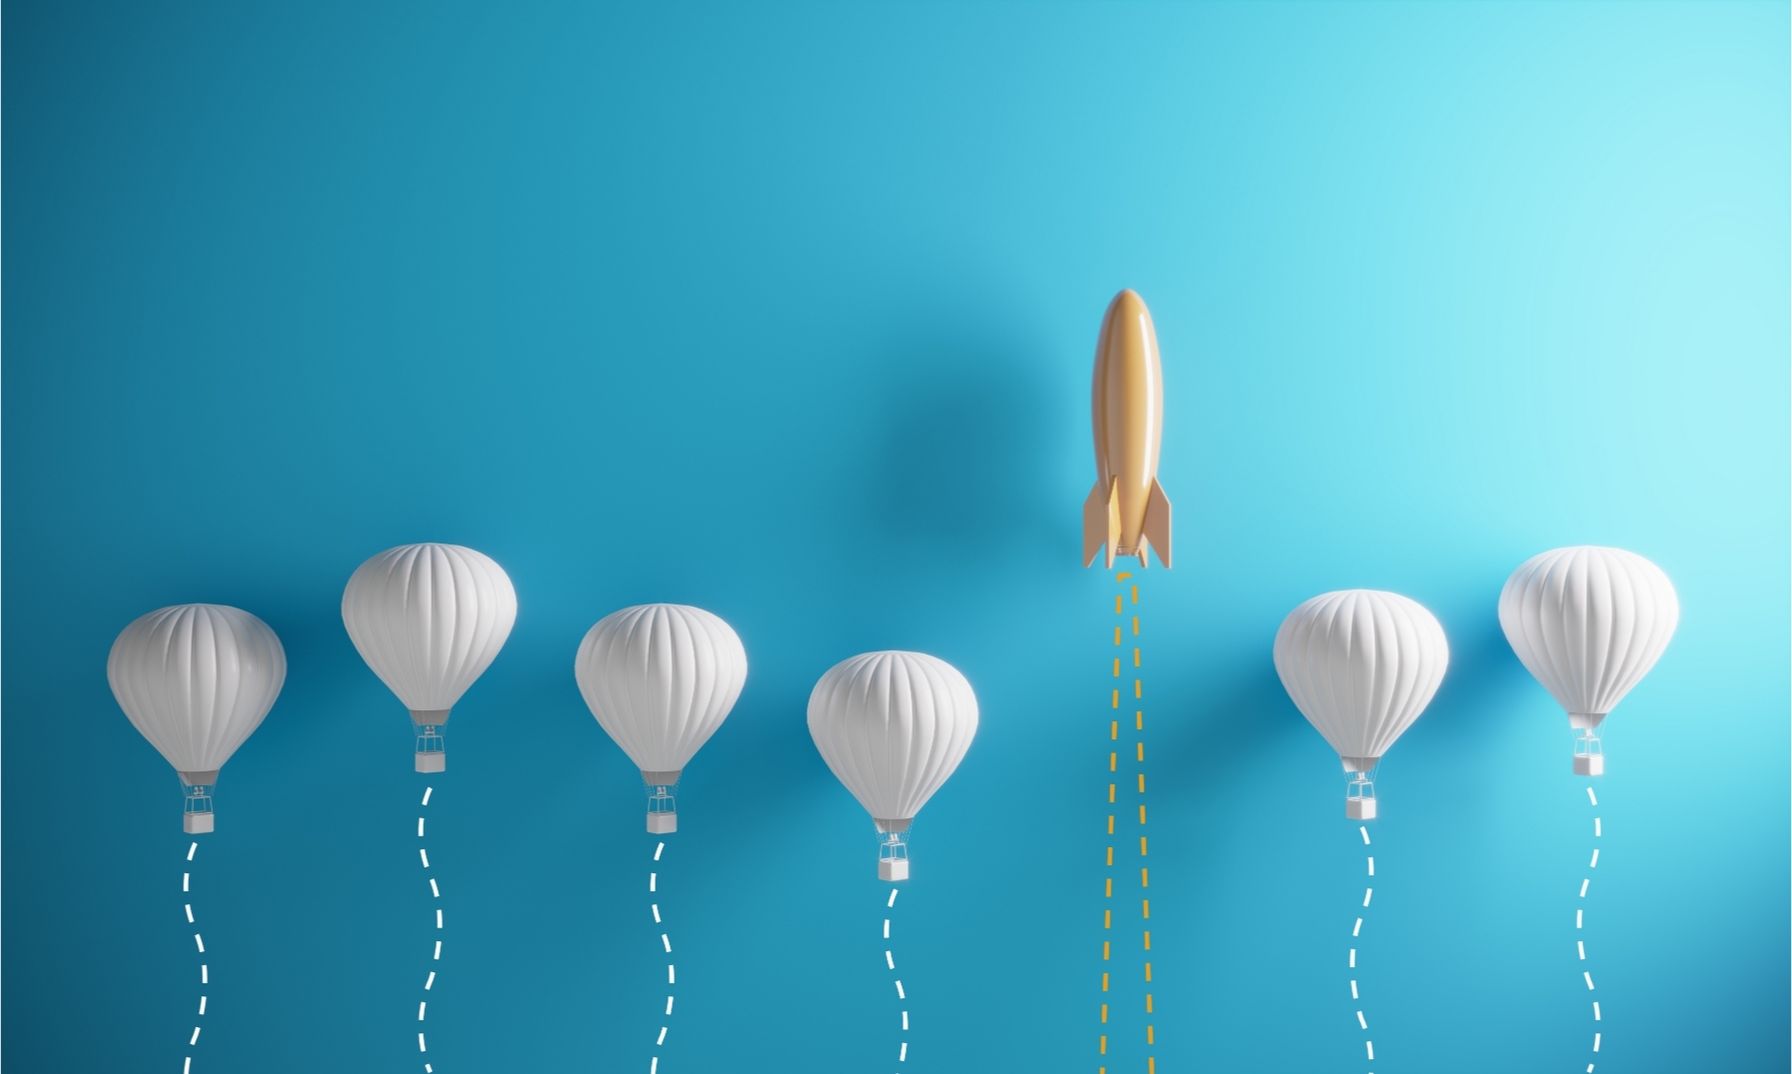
(787,310)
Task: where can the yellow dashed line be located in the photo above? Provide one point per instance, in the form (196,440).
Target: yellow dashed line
(1116,667)
(1113,759)
(1104,1014)
(1135,649)
(1106,950)
(1110,856)
(1138,693)
(1114,729)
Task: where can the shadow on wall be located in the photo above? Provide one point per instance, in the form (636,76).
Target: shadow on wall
(1484,686)
(959,470)
(1247,713)
(1235,719)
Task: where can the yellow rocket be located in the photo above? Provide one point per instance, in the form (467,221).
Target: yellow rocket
(1127,511)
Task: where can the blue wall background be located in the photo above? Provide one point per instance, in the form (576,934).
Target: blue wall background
(787,310)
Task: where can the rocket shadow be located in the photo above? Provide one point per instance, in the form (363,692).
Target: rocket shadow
(1213,740)
(954,465)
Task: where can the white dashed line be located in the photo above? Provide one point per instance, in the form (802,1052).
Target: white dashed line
(435,892)
(666,943)
(1356,931)
(186,887)
(901,996)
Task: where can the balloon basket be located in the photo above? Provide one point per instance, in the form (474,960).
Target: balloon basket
(1359,798)
(197,818)
(1589,754)
(662,808)
(432,749)
(892,857)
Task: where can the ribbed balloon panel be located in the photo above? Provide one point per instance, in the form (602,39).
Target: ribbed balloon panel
(1588,623)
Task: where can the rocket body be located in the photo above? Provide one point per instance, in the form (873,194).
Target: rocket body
(1127,512)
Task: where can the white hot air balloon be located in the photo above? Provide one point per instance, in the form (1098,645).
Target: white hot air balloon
(1361,665)
(660,678)
(429,619)
(1589,623)
(892,726)
(196,680)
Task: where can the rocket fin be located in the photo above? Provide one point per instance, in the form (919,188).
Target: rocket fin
(1157,522)
(1101,521)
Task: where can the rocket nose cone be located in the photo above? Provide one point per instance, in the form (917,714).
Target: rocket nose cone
(1127,298)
